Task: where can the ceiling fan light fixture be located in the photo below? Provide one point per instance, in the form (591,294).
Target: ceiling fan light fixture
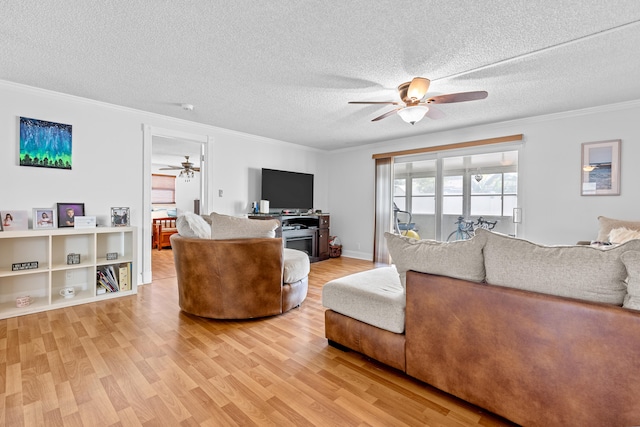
(418,88)
(186,174)
(413,114)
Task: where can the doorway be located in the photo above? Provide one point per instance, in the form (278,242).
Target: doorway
(164,152)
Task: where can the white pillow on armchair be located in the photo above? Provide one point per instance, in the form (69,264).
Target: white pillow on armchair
(191,225)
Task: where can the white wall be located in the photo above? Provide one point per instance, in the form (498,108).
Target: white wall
(107,165)
(108,159)
(238,164)
(553,210)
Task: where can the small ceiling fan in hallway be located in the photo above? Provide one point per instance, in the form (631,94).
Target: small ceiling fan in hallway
(186,168)
(416,105)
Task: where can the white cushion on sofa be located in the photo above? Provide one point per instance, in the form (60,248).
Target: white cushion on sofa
(581,272)
(296,265)
(192,225)
(375,297)
(460,259)
(233,227)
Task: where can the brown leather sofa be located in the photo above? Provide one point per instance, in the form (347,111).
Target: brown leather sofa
(535,359)
(235,278)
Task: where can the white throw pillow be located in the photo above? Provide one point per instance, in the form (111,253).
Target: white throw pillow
(232,227)
(460,259)
(622,235)
(192,225)
(608,224)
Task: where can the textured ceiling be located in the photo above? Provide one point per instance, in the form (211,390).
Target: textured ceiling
(286,70)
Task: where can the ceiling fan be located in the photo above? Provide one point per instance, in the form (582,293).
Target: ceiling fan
(413,95)
(186,169)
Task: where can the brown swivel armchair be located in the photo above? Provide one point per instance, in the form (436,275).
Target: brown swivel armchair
(238,278)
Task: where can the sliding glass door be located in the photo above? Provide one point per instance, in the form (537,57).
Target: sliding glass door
(437,194)
(414,196)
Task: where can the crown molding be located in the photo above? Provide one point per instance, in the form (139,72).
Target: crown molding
(146,115)
(607,108)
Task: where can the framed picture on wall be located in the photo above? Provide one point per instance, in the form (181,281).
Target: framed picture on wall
(44,218)
(119,217)
(45,144)
(67,213)
(600,168)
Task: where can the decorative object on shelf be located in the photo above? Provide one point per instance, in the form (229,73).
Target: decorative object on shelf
(600,168)
(31,265)
(264,206)
(44,218)
(45,144)
(67,213)
(82,221)
(112,256)
(68,292)
(73,258)
(14,220)
(24,301)
(119,217)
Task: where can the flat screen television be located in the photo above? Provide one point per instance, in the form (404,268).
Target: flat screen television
(287,190)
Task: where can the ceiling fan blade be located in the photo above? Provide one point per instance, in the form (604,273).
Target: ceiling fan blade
(196,169)
(457,97)
(171,168)
(375,102)
(385,115)
(435,113)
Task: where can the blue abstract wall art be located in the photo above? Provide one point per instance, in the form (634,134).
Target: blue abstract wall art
(45,144)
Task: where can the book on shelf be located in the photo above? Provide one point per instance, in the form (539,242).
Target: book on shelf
(106,277)
(114,278)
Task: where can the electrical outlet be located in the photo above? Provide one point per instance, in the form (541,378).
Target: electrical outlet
(69,275)
(220,193)
(358,245)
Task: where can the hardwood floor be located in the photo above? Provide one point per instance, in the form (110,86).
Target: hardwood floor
(139,360)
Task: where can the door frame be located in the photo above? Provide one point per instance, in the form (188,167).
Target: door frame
(148,132)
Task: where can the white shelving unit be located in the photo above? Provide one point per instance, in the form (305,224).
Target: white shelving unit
(50,249)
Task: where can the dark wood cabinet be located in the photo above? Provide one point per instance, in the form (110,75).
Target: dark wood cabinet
(323,237)
(308,233)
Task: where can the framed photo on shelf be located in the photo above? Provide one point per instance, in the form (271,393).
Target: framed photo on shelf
(119,217)
(44,218)
(600,168)
(67,213)
(14,220)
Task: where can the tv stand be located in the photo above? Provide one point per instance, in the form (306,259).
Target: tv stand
(308,233)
